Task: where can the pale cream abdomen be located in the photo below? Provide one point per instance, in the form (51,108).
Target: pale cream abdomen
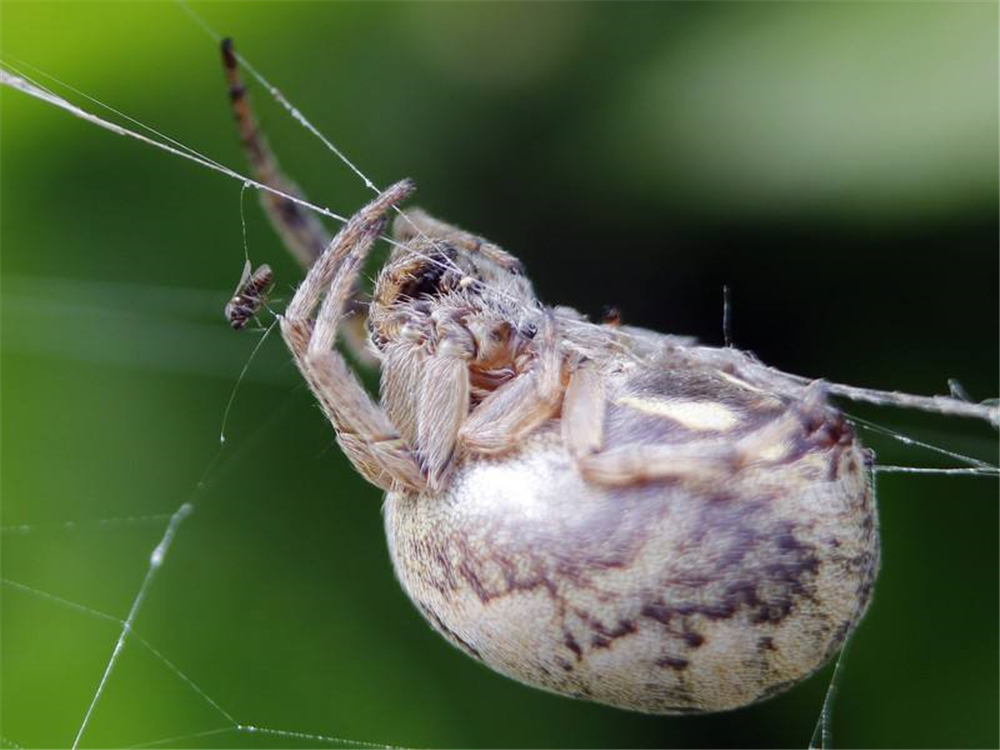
(664,597)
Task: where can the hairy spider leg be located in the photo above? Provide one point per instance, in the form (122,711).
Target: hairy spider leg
(369,439)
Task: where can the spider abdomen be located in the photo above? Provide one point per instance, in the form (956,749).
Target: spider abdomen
(666,597)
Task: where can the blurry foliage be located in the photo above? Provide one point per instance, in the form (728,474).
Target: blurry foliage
(835,164)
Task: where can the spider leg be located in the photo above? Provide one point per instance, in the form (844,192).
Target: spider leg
(425,391)
(583,413)
(442,404)
(701,461)
(301,231)
(364,431)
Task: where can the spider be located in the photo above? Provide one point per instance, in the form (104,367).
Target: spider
(597,510)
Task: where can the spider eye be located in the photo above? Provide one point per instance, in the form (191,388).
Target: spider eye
(427,283)
(431,277)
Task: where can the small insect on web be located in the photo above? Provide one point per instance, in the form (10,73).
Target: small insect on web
(625,333)
(252,291)
(250,296)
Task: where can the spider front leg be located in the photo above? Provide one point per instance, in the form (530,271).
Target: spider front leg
(364,431)
(442,404)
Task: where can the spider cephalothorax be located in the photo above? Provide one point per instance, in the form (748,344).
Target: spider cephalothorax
(457,291)
(458,307)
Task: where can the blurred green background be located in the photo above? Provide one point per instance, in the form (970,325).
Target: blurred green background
(835,164)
